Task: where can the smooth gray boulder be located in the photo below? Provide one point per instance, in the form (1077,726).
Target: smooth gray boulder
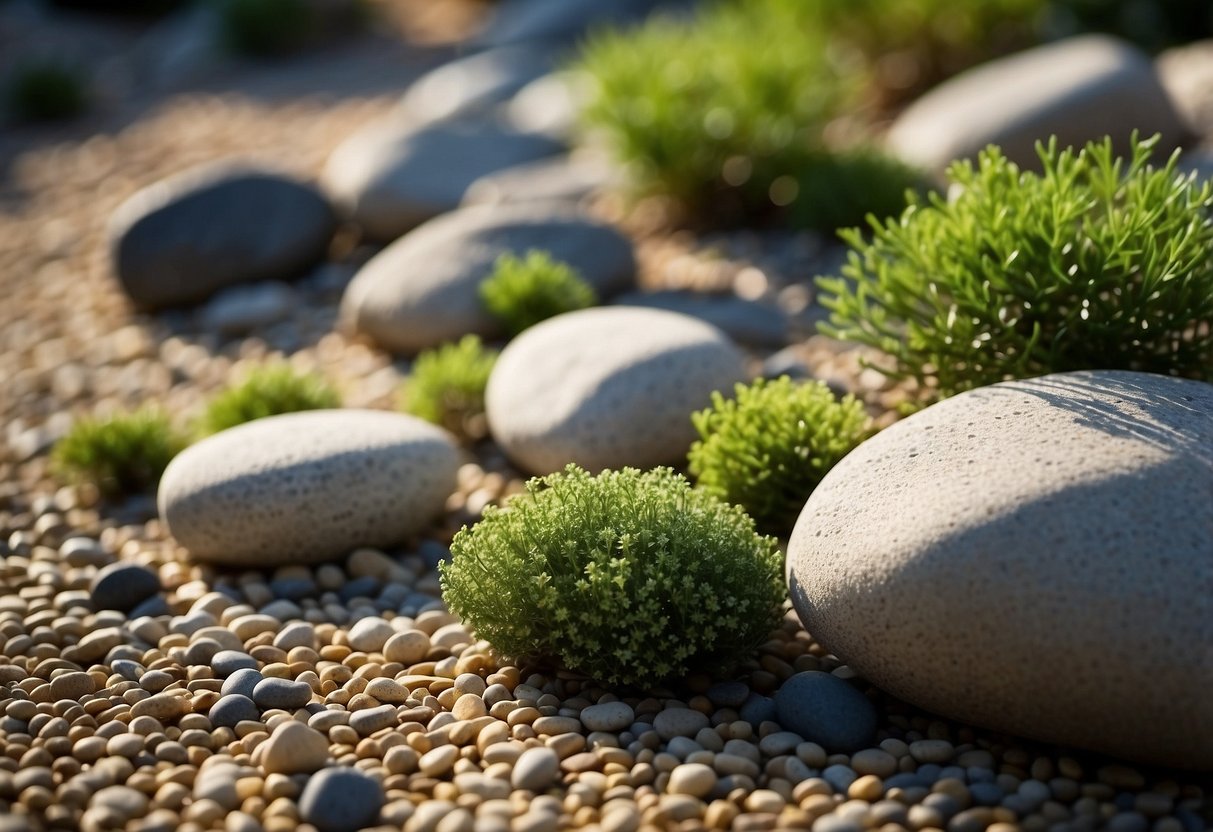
(1080,89)
(392,176)
(607,388)
(306,487)
(471,85)
(425,288)
(179,241)
(1034,557)
(574,178)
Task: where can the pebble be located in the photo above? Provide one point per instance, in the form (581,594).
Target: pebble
(227,662)
(232,709)
(679,722)
(573,179)
(826,710)
(243,681)
(123,586)
(694,779)
(370,634)
(72,685)
(340,800)
(608,716)
(535,769)
(282,693)
(473,85)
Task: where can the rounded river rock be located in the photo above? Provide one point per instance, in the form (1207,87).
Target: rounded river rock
(307,486)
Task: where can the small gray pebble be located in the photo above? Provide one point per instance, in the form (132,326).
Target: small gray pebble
(122,586)
(757,710)
(904,780)
(128,669)
(826,710)
(840,777)
(341,800)
(243,682)
(729,694)
(1128,822)
(986,794)
(282,693)
(928,773)
(227,662)
(231,709)
(152,607)
(370,720)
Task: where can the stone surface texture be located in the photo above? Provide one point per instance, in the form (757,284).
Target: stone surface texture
(472,84)
(307,486)
(1034,557)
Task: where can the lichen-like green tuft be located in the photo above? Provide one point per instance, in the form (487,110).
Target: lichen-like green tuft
(522,292)
(268,391)
(447,386)
(769,446)
(121,454)
(631,578)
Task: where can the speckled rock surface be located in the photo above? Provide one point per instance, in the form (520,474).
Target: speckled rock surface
(472,84)
(607,387)
(307,486)
(257,224)
(425,288)
(1080,89)
(1034,557)
(392,176)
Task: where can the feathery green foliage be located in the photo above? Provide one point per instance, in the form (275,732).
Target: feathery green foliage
(631,578)
(447,385)
(729,114)
(268,391)
(522,292)
(768,447)
(46,91)
(119,454)
(1096,263)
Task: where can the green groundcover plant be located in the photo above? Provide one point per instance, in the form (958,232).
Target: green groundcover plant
(521,292)
(745,114)
(768,447)
(268,391)
(631,578)
(120,454)
(46,90)
(1098,262)
(447,385)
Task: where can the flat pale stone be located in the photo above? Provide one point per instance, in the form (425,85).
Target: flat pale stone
(470,85)
(607,388)
(307,486)
(424,289)
(1034,557)
(574,178)
(1080,89)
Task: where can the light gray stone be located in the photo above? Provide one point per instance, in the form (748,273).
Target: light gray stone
(179,241)
(425,288)
(1080,89)
(550,105)
(392,176)
(609,716)
(573,178)
(1035,557)
(243,309)
(307,486)
(473,84)
(607,388)
(745,321)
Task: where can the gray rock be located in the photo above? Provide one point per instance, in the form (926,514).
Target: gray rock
(341,800)
(1078,89)
(179,241)
(123,586)
(307,486)
(472,85)
(369,720)
(282,693)
(227,662)
(826,710)
(392,176)
(745,321)
(609,716)
(550,105)
(535,769)
(519,21)
(243,682)
(680,722)
(425,288)
(232,709)
(573,178)
(607,388)
(729,694)
(995,557)
(244,309)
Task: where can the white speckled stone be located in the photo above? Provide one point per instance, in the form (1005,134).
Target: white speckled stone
(307,486)
(424,289)
(1035,557)
(607,388)
(1080,89)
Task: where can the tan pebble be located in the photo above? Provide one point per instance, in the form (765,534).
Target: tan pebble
(439,761)
(387,690)
(535,769)
(72,685)
(293,748)
(874,761)
(765,800)
(164,707)
(869,788)
(680,807)
(552,725)
(692,779)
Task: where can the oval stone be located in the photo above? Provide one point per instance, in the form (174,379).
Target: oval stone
(1034,557)
(307,486)
(607,388)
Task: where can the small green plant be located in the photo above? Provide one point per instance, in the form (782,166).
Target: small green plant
(119,454)
(1091,264)
(768,447)
(46,91)
(447,385)
(267,391)
(742,116)
(631,578)
(522,292)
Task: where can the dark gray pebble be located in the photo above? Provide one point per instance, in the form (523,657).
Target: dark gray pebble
(227,662)
(282,693)
(729,694)
(232,709)
(152,607)
(243,682)
(127,669)
(294,589)
(367,586)
(826,710)
(986,794)
(122,586)
(340,800)
(757,710)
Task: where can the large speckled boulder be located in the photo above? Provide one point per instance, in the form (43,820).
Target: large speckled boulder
(182,239)
(607,387)
(307,486)
(1079,90)
(392,176)
(425,288)
(1035,557)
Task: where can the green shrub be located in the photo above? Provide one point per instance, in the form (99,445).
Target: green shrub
(1092,264)
(447,385)
(46,91)
(767,448)
(522,292)
(631,578)
(728,116)
(268,391)
(120,454)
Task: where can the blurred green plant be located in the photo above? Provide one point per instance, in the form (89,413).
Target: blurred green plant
(521,292)
(446,387)
(46,90)
(1096,263)
(270,390)
(120,454)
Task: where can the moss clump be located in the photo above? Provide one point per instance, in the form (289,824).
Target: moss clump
(120,454)
(46,91)
(1096,263)
(267,391)
(768,447)
(522,292)
(631,578)
(447,385)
